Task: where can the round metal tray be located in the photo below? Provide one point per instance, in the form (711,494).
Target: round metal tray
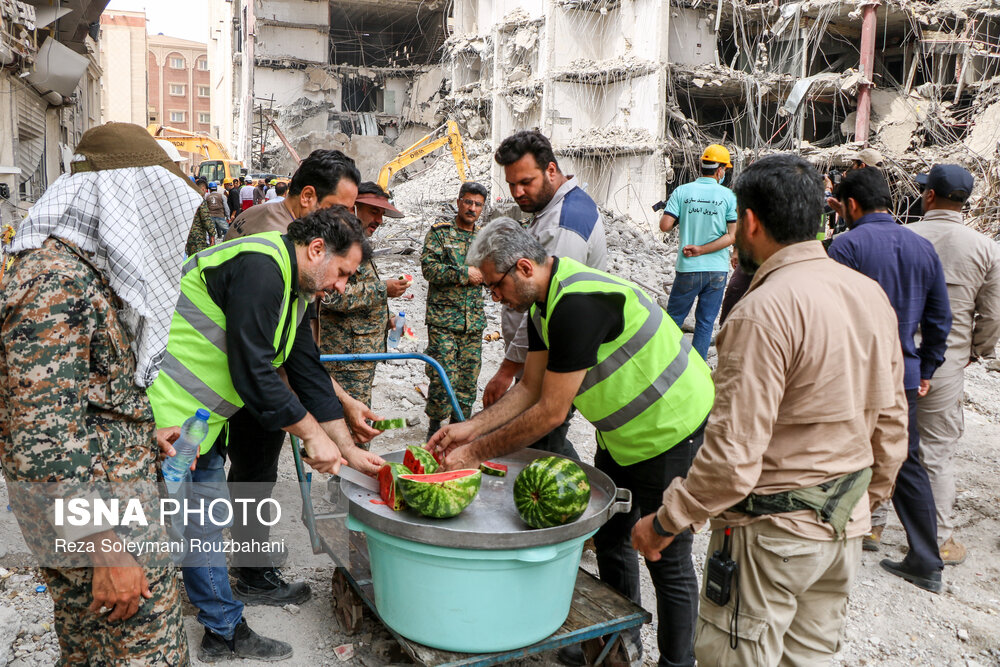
(491,521)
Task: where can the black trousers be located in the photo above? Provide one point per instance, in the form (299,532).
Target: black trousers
(914,502)
(673,575)
(253,457)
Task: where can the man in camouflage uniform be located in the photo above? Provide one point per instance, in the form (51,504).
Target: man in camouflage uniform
(356,321)
(73,410)
(202,231)
(455,316)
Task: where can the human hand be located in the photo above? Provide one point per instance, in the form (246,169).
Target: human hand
(450,437)
(646,541)
(496,388)
(475,276)
(322,453)
(836,205)
(460,458)
(395,287)
(364,461)
(692,250)
(165,438)
(925,386)
(355,413)
(119,588)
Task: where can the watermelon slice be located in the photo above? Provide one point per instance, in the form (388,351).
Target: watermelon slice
(493,468)
(419,461)
(386,424)
(388,484)
(407,277)
(441,495)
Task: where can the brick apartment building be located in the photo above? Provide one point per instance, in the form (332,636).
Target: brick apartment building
(179,84)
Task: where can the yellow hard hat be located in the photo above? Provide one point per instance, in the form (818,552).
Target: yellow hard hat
(227,181)
(717,153)
(273,181)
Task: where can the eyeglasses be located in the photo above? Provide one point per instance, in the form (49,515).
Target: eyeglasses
(472,203)
(492,287)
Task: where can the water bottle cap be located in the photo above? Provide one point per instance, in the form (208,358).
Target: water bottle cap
(402,314)
(203,414)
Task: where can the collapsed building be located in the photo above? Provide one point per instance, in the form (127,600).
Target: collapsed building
(629,91)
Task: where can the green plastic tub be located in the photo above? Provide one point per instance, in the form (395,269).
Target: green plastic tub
(467,600)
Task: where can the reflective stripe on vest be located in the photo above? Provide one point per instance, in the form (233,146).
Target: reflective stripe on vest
(195,369)
(649,389)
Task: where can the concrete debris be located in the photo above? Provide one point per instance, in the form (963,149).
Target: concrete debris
(618,137)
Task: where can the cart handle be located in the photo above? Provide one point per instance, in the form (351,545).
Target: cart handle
(305,479)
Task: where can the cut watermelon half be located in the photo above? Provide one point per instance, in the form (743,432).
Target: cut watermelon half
(493,468)
(440,495)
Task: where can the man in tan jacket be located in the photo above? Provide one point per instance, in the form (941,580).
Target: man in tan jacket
(809,407)
(971,263)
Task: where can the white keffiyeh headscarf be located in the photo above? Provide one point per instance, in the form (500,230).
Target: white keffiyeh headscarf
(134,222)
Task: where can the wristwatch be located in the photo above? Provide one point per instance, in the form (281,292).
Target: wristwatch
(660,530)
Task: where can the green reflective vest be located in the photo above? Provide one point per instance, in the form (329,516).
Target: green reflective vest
(649,388)
(195,370)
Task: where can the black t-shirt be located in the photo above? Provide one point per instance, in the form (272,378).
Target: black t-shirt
(578,326)
(249,289)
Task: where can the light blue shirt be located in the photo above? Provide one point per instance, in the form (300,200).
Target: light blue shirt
(702,208)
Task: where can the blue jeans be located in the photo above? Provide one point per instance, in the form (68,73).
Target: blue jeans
(206,577)
(221,227)
(706,286)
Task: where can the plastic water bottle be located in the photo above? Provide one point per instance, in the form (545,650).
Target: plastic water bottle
(397,333)
(177,468)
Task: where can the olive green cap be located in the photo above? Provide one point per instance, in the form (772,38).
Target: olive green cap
(122,146)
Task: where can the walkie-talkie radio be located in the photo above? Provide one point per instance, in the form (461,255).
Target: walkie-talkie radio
(720,573)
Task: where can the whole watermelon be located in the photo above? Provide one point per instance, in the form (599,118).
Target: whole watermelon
(551,491)
(441,495)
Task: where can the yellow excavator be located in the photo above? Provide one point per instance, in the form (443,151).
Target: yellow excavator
(218,165)
(452,138)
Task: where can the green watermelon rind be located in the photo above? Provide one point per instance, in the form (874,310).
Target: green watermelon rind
(489,468)
(386,424)
(553,478)
(440,500)
(396,469)
(425,457)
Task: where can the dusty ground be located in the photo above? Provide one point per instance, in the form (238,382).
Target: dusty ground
(890,622)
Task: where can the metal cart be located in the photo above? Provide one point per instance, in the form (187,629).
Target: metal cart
(597,610)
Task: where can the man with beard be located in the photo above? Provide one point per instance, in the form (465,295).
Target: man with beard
(806,435)
(356,321)
(223,353)
(910,272)
(567,222)
(601,344)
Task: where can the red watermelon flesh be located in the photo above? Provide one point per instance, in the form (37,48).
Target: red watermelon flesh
(419,461)
(387,475)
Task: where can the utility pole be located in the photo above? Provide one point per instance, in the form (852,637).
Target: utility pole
(864,112)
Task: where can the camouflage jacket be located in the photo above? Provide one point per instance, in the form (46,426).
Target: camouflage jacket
(202,231)
(355,322)
(70,412)
(452,303)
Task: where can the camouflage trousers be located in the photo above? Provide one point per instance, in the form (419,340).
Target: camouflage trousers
(357,383)
(460,353)
(154,636)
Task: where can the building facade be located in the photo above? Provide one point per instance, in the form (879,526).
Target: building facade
(50,94)
(123,61)
(180,90)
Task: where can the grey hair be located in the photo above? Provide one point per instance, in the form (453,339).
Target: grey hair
(504,242)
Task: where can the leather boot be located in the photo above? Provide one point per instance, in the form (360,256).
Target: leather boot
(265,585)
(245,644)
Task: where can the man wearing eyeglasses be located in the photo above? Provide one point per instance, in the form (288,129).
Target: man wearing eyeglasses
(455,316)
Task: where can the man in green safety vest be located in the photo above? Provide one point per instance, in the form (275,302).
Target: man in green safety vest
(601,344)
(239,317)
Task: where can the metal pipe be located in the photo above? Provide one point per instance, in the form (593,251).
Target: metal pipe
(868,26)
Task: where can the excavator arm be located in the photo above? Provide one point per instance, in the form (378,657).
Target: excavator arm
(423,148)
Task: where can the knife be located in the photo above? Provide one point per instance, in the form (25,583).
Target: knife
(360,479)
